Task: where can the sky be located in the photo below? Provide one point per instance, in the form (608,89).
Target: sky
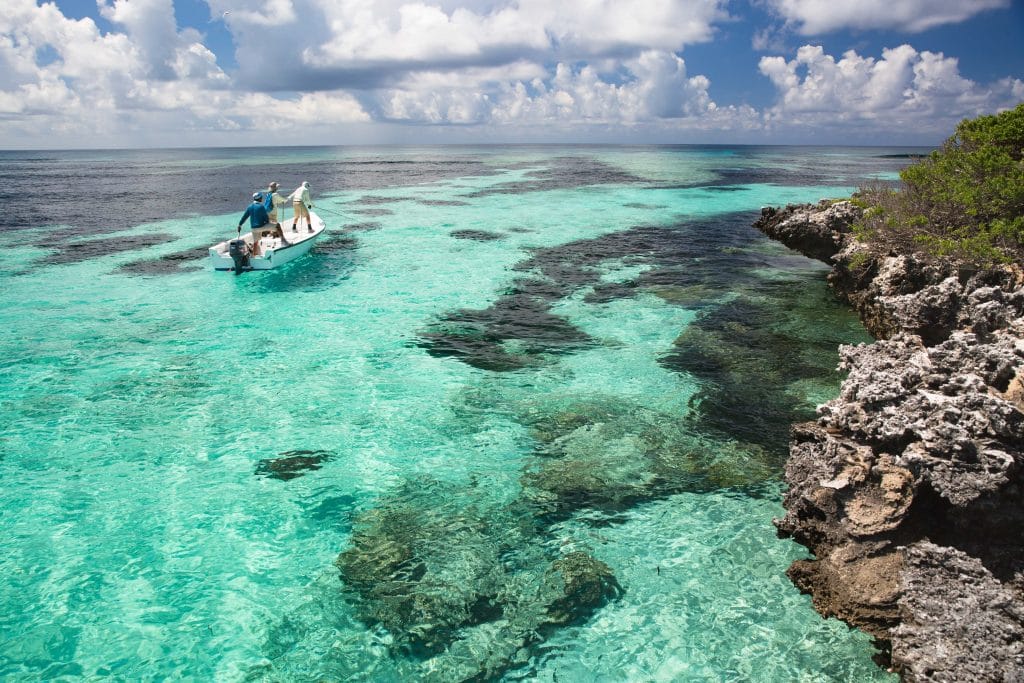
(194,73)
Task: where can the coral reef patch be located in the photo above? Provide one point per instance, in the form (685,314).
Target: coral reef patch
(476,235)
(85,250)
(182,261)
(467,587)
(292,464)
(685,265)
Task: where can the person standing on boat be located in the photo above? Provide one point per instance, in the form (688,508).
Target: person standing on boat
(259,219)
(301,204)
(277,201)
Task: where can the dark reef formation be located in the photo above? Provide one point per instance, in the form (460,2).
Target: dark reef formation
(183,261)
(468,588)
(292,464)
(476,235)
(909,488)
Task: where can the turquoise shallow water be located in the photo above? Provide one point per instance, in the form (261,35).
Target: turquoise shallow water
(498,359)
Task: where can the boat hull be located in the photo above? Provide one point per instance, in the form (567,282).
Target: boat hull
(274,252)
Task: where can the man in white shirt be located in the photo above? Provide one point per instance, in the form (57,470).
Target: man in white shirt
(301,204)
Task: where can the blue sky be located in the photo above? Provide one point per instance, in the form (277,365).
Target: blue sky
(138,73)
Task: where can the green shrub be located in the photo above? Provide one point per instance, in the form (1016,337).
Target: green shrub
(858,260)
(965,200)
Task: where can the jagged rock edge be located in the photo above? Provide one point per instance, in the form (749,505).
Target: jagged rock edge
(920,457)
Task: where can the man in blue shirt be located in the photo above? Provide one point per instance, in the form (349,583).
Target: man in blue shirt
(257,213)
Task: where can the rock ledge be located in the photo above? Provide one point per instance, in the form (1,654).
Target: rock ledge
(908,487)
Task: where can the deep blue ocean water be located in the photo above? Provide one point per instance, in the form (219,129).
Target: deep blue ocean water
(502,369)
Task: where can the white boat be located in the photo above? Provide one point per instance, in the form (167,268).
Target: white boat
(237,254)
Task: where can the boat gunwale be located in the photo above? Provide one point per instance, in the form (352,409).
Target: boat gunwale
(220,249)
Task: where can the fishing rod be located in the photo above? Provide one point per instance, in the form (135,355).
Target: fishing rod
(336,213)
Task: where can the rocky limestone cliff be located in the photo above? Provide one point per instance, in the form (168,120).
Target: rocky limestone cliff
(909,487)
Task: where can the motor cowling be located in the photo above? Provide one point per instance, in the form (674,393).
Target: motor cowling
(238,250)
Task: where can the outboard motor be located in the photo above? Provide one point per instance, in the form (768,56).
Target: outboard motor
(239,252)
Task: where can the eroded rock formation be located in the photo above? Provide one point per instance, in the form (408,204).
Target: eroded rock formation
(908,487)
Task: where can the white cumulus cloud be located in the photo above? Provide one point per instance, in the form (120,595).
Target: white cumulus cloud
(815,17)
(906,89)
(151,28)
(64,82)
(369,43)
(313,70)
(652,86)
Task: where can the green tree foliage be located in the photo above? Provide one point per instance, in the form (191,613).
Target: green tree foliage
(965,200)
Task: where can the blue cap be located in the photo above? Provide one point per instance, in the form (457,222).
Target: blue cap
(256,196)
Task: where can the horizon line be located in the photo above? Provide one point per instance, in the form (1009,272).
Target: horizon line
(461,144)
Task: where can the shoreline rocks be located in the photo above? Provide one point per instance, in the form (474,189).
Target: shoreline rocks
(909,487)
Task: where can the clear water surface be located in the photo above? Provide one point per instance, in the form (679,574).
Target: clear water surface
(521,415)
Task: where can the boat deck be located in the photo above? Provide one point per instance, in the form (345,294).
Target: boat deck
(272,250)
(290,238)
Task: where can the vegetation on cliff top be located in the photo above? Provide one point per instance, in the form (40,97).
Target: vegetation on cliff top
(965,200)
